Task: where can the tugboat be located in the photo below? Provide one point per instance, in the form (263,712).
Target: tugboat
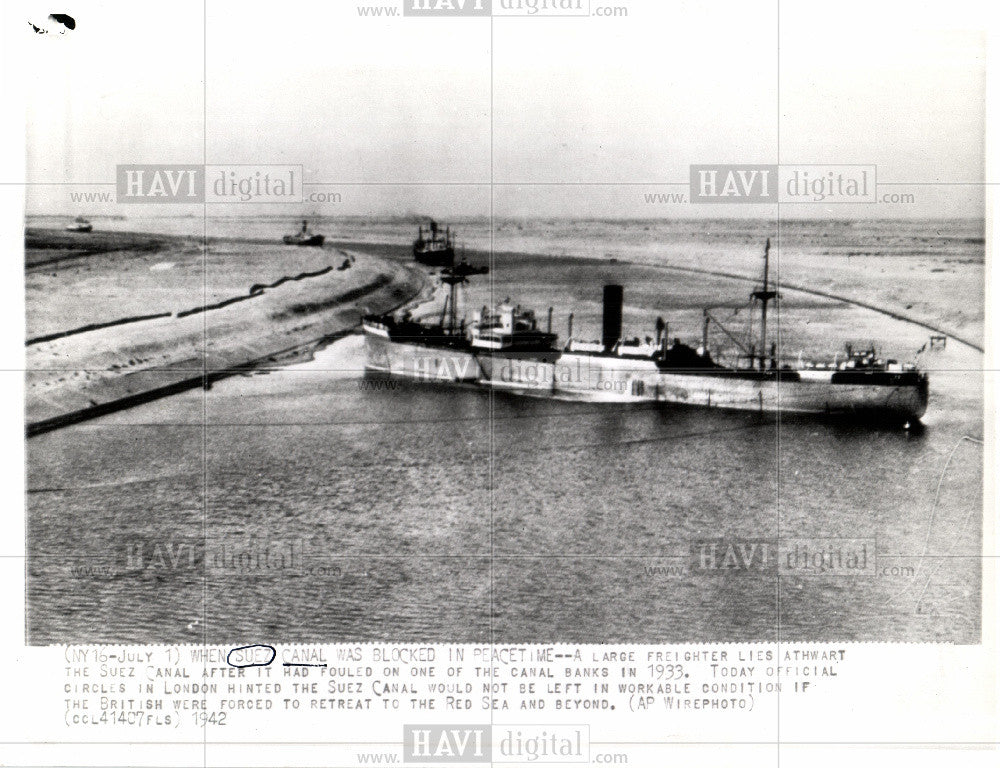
(80,224)
(304,236)
(434,247)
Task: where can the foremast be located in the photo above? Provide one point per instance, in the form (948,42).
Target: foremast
(454,276)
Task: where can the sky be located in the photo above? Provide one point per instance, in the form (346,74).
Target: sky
(562,116)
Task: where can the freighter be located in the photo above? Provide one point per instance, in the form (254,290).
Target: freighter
(505,349)
(434,247)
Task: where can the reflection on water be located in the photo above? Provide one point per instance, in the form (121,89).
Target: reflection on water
(312,506)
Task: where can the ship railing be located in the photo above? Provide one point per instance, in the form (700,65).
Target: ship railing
(854,363)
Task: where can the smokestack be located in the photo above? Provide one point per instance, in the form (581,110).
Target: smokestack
(611,330)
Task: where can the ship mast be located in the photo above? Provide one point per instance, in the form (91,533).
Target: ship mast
(449,313)
(454,276)
(764,296)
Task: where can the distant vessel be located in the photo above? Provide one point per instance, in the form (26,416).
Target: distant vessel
(434,247)
(304,236)
(80,224)
(506,349)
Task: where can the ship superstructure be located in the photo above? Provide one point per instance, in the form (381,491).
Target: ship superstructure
(434,247)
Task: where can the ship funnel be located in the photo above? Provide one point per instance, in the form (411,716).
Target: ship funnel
(611,329)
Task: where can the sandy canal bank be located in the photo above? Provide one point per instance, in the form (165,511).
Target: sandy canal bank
(115,319)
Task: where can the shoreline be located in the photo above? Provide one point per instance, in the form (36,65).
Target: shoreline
(297,301)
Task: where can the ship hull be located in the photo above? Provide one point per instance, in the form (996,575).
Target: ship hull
(311,240)
(443,257)
(422,362)
(613,379)
(905,402)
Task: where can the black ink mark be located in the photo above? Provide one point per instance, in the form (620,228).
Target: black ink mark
(63,23)
(65,19)
(251,656)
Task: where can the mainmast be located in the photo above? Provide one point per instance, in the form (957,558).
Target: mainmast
(764,296)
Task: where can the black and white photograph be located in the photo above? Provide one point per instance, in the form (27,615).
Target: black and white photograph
(520,323)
